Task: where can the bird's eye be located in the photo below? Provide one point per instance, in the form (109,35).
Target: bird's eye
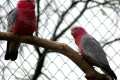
(75,28)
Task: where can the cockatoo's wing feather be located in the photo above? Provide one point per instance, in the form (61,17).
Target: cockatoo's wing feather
(93,50)
(12,18)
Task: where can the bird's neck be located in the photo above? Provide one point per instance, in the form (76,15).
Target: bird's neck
(26,4)
(78,35)
(78,40)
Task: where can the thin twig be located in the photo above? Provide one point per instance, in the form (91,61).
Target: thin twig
(110,42)
(62,17)
(63,31)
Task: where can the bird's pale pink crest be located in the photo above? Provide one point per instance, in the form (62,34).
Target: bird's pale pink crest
(74,28)
(77,31)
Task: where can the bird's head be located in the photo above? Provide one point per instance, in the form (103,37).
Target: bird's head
(74,29)
(77,31)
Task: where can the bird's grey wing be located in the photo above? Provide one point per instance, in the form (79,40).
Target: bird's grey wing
(93,50)
(12,18)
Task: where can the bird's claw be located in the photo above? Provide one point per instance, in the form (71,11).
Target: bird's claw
(83,57)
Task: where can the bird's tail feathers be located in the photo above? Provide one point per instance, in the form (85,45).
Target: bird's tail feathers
(12,56)
(7,55)
(110,72)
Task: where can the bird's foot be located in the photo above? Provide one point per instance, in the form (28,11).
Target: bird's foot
(30,35)
(83,57)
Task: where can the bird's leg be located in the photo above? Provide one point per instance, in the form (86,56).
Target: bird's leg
(30,35)
(87,59)
(84,57)
(17,34)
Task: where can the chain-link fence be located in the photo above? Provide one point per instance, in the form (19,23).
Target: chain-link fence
(100,18)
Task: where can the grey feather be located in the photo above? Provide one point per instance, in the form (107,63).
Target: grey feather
(94,51)
(12,18)
(12,47)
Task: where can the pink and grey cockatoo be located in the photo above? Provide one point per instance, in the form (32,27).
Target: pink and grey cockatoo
(21,21)
(91,50)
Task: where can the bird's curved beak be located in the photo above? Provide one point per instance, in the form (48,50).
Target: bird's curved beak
(71,32)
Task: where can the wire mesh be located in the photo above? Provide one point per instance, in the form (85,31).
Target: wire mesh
(100,18)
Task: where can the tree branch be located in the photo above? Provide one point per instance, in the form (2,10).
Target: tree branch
(43,55)
(40,55)
(62,17)
(54,38)
(110,42)
(64,49)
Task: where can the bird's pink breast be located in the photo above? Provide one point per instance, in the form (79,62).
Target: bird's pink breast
(79,44)
(26,22)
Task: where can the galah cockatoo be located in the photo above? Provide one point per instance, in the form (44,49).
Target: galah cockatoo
(21,21)
(91,50)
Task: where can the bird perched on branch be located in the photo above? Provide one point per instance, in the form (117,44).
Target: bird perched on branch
(91,50)
(21,21)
